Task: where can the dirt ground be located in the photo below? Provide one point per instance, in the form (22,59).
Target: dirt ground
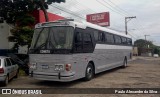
(142,72)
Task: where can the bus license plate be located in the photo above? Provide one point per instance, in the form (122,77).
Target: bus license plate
(45,66)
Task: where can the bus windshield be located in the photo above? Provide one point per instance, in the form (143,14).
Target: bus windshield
(52,38)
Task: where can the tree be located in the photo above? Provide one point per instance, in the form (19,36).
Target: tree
(143,46)
(141,43)
(10,10)
(22,32)
(16,12)
(43,5)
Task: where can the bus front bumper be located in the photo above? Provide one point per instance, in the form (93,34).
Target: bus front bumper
(53,77)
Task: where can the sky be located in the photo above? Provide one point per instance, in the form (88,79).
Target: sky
(147,12)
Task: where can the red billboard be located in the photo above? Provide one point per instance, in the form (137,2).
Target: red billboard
(101,19)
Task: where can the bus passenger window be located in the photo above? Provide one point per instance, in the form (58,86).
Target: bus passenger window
(87,43)
(96,35)
(101,37)
(87,38)
(109,38)
(117,39)
(129,41)
(78,37)
(78,42)
(124,40)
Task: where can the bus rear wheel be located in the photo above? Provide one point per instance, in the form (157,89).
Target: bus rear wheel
(89,72)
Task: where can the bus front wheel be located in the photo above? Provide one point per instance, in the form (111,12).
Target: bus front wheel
(89,72)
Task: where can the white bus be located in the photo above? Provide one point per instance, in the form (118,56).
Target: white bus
(66,50)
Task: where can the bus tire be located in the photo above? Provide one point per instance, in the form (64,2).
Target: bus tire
(89,72)
(124,63)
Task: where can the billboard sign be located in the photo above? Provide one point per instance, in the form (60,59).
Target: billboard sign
(101,19)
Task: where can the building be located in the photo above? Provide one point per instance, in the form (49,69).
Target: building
(5,45)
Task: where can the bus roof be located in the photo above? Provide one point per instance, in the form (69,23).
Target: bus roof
(90,25)
(83,25)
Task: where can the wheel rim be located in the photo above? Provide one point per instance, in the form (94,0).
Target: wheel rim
(89,72)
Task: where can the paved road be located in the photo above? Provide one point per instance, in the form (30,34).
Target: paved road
(143,72)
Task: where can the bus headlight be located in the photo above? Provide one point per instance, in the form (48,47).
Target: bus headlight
(59,67)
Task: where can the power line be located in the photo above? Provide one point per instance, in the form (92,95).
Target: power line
(71,12)
(77,6)
(119,8)
(116,8)
(84,6)
(110,8)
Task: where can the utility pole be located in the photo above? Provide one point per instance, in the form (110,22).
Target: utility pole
(146,37)
(147,46)
(127,19)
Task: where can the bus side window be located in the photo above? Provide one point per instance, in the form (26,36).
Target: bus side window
(96,35)
(87,43)
(78,37)
(117,39)
(101,37)
(129,41)
(109,38)
(78,42)
(124,40)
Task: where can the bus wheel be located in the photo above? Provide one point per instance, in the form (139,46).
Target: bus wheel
(125,63)
(89,72)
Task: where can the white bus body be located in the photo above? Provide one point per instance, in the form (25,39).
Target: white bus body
(67,50)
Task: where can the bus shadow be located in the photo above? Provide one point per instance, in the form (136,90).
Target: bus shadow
(107,72)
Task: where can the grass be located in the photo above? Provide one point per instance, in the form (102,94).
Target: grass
(22,72)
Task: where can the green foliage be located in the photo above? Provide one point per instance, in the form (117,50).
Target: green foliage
(156,50)
(22,72)
(22,33)
(25,20)
(43,5)
(141,43)
(10,10)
